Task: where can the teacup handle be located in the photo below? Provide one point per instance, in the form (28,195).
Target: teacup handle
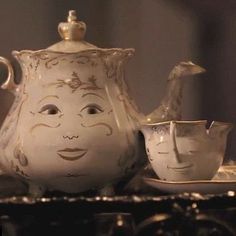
(9,84)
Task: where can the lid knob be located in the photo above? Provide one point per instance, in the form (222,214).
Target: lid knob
(72,29)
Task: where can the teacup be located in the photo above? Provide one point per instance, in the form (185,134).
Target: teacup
(186,150)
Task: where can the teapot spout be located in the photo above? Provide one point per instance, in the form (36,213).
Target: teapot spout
(170,107)
(185,69)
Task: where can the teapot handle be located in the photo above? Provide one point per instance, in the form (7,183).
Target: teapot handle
(10,82)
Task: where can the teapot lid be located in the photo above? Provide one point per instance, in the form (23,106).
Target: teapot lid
(72,33)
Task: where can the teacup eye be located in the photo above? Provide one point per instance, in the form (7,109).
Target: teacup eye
(49,109)
(91,109)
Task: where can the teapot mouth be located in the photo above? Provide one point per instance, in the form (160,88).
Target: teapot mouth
(120,52)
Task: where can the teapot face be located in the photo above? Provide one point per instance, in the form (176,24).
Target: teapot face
(72,130)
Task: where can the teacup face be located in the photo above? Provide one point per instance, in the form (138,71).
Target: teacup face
(198,156)
(67,135)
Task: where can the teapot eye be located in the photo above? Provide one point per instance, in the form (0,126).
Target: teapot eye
(92,109)
(49,109)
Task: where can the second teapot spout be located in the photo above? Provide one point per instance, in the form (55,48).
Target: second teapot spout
(170,107)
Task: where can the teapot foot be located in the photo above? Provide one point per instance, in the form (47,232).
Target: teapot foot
(11,186)
(107,191)
(36,190)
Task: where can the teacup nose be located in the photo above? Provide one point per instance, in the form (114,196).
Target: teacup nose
(173,145)
(70,137)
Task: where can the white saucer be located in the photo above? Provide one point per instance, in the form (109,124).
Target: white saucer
(224,181)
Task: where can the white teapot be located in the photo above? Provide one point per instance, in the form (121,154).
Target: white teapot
(73,126)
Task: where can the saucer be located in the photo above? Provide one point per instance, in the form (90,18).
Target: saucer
(224,181)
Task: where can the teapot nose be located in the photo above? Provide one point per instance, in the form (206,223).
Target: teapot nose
(70,137)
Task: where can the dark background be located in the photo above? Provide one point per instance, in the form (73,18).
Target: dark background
(163,32)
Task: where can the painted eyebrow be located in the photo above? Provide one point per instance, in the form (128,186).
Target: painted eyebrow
(49,96)
(95,94)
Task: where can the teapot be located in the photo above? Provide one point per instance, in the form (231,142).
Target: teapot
(73,126)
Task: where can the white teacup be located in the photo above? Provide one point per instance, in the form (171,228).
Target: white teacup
(186,150)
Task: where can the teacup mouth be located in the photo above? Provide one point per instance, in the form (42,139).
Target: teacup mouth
(180,167)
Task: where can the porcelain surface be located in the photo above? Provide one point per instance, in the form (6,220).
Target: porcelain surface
(186,150)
